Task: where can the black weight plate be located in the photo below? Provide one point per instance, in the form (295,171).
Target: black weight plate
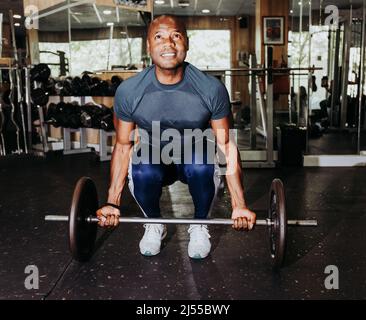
(40,72)
(278,227)
(82,234)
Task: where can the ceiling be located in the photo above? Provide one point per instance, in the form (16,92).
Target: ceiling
(88,16)
(216,7)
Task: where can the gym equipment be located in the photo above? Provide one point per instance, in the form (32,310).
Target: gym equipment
(2,141)
(115,82)
(19,86)
(97,117)
(40,73)
(39,97)
(63,87)
(12,99)
(83,221)
(82,234)
(106,122)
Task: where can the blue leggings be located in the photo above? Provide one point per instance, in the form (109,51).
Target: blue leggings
(149,179)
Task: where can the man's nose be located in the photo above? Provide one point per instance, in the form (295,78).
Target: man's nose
(169,41)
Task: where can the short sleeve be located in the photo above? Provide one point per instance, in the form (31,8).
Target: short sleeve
(122,108)
(220,102)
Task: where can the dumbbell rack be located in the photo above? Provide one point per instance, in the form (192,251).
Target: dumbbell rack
(104,155)
(68,147)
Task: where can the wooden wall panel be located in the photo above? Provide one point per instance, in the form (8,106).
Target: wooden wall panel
(273,8)
(6,41)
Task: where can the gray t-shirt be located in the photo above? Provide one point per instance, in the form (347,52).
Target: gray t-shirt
(189,104)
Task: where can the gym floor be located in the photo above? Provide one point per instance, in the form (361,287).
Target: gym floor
(239,264)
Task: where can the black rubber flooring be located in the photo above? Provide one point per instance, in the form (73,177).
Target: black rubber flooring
(238,266)
(335,141)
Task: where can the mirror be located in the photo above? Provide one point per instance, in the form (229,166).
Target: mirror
(105,38)
(91,37)
(361,114)
(53,39)
(332,92)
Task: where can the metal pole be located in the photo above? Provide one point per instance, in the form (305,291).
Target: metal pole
(362,77)
(345,71)
(298,100)
(253,105)
(310,81)
(110,44)
(269,105)
(1,44)
(305,223)
(335,99)
(29,105)
(69,30)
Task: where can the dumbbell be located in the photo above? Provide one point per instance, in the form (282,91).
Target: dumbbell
(40,73)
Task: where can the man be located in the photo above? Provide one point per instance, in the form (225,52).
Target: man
(177,96)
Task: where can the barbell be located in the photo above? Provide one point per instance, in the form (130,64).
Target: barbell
(83,221)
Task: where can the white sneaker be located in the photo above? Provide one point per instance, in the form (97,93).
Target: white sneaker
(199,245)
(151,241)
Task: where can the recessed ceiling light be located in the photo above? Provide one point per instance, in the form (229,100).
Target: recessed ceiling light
(17,24)
(17,16)
(109,24)
(107,12)
(291,11)
(206,11)
(183,3)
(158,2)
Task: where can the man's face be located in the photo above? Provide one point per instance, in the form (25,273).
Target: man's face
(167,44)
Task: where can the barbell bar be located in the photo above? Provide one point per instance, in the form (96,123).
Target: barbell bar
(83,221)
(259,222)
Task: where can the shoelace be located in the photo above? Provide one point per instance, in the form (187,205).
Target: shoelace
(153,230)
(197,231)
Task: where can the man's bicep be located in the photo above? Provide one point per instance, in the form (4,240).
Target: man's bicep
(124,130)
(221,128)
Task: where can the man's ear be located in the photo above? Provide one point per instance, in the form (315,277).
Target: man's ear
(148,47)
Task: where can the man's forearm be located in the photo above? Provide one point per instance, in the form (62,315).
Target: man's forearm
(234,175)
(119,170)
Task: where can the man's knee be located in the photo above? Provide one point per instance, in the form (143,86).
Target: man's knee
(147,174)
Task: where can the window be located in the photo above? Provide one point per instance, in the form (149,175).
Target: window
(209,48)
(51,58)
(93,55)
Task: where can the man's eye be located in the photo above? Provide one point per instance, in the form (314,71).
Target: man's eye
(177,36)
(158,37)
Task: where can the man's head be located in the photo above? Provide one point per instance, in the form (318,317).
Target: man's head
(167,42)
